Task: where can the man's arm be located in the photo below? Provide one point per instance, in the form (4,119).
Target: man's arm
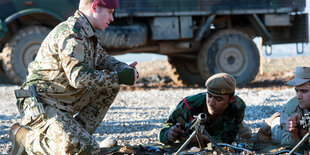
(105,61)
(288,113)
(231,128)
(171,130)
(74,60)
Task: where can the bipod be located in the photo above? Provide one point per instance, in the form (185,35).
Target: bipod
(199,130)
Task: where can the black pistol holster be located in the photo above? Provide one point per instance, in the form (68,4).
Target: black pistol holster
(34,106)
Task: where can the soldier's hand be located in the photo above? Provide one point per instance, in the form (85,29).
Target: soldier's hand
(302,132)
(175,132)
(133,65)
(136,75)
(292,124)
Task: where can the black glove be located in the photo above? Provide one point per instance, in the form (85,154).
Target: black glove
(126,76)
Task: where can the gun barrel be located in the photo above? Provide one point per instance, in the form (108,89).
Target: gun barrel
(202,117)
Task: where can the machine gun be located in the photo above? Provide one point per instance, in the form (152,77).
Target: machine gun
(305,123)
(198,128)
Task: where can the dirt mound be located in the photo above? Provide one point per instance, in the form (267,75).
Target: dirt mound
(273,74)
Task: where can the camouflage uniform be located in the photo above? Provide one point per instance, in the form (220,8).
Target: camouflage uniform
(279,133)
(223,129)
(77,82)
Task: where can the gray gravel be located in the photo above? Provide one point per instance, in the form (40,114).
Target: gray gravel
(136,117)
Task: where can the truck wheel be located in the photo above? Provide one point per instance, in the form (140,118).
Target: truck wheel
(232,52)
(21,50)
(123,36)
(184,71)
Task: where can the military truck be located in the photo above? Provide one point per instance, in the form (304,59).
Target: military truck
(200,37)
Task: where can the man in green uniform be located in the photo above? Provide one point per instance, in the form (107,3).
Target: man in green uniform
(284,128)
(224,110)
(76,82)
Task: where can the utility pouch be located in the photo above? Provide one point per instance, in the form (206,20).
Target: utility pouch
(33,107)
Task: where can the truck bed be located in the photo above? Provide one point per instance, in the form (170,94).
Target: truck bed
(205,7)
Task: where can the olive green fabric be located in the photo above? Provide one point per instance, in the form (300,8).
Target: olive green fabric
(223,129)
(221,83)
(126,76)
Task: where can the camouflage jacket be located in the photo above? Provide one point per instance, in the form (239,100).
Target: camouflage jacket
(71,66)
(290,110)
(223,129)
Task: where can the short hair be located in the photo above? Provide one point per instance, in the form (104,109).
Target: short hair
(84,4)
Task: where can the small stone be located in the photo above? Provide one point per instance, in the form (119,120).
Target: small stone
(108,142)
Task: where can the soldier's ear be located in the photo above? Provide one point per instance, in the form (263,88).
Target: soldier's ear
(93,7)
(232,99)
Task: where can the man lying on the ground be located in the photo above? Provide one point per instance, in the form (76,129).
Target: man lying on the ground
(224,111)
(284,127)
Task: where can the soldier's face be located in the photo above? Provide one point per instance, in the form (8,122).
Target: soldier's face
(303,95)
(217,104)
(103,17)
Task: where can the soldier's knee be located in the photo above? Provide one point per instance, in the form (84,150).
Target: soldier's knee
(80,148)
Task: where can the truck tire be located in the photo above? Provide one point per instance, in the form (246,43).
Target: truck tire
(20,50)
(123,36)
(184,71)
(230,51)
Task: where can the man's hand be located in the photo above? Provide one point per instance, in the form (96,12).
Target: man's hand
(175,132)
(128,75)
(291,126)
(133,65)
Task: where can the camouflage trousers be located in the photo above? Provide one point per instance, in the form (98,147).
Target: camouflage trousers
(59,132)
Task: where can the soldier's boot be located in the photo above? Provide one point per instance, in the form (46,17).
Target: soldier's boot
(244,131)
(17,137)
(264,133)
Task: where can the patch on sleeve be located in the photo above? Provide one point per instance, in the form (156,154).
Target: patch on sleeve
(77,27)
(79,52)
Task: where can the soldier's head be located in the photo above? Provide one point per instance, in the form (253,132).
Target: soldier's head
(301,82)
(99,12)
(220,93)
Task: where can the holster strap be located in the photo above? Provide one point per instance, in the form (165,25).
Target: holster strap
(23,93)
(31,92)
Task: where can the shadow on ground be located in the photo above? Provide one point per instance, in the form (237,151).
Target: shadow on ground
(4,79)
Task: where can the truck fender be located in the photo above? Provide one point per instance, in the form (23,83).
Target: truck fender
(31,11)
(3,28)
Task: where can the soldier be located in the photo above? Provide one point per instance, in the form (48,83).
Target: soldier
(284,127)
(224,110)
(76,82)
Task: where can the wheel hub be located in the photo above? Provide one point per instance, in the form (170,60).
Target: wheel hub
(30,53)
(192,66)
(230,60)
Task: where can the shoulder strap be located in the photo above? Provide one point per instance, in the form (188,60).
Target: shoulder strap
(191,118)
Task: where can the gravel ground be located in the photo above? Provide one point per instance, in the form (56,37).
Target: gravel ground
(136,116)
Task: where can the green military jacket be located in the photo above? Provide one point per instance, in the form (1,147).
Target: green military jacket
(71,67)
(223,129)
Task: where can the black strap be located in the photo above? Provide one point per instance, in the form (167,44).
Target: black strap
(22,93)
